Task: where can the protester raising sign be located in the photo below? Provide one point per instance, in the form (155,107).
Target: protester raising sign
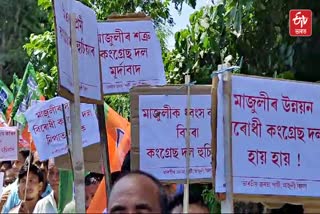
(8,143)
(46,124)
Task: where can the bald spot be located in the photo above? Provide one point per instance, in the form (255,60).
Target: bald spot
(132,191)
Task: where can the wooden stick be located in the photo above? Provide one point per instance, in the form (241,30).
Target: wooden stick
(9,122)
(68,140)
(104,140)
(76,151)
(104,147)
(214,105)
(27,181)
(227,205)
(186,186)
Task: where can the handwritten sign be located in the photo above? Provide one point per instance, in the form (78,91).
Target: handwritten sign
(130,55)
(276,137)
(8,143)
(162,120)
(47,127)
(87,46)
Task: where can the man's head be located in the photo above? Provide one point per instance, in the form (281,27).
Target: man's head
(92,181)
(170,189)
(114,177)
(125,168)
(53,176)
(5,165)
(22,158)
(137,192)
(10,177)
(43,165)
(196,204)
(35,182)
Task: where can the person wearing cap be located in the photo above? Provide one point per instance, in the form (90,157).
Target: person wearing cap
(92,181)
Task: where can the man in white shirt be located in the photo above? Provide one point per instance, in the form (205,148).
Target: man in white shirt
(49,204)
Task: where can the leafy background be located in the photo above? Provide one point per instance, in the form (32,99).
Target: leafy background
(250,33)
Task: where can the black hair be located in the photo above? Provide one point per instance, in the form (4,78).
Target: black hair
(115,177)
(25,154)
(93,178)
(162,193)
(46,164)
(33,168)
(126,163)
(193,199)
(6,162)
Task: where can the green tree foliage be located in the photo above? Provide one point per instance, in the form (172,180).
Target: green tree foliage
(253,32)
(41,47)
(18,19)
(209,198)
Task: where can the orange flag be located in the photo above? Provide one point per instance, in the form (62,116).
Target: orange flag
(9,110)
(25,140)
(119,137)
(119,143)
(99,201)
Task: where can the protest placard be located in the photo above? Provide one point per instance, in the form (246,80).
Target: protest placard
(130,55)
(159,131)
(275,137)
(47,127)
(88,50)
(8,143)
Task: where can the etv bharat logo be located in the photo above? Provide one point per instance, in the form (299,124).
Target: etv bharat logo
(300,23)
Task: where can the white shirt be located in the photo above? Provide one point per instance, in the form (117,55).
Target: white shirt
(46,205)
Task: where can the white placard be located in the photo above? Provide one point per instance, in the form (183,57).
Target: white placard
(162,120)
(87,45)
(276,137)
(130,55)
(47,127)
(8,143)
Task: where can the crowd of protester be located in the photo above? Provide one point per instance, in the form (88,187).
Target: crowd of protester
(34,188)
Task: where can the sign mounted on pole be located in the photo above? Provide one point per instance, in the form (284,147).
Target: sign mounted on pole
(130,53)
(90,89)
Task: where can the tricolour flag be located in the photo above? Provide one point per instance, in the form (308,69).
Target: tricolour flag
(6,97)
(15,85)
(27,92)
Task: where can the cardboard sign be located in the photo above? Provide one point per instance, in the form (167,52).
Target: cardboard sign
(130,55)
(8,143)
(87,47)
(47,127)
